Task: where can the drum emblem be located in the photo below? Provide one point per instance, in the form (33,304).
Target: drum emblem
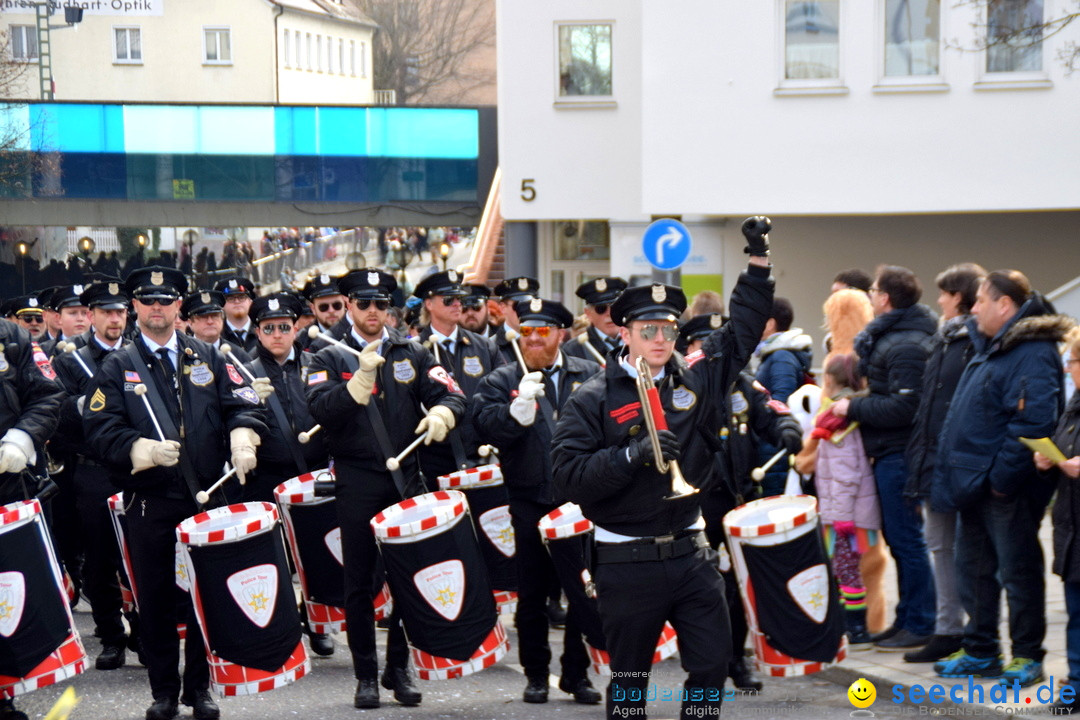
(12,601)
(255,592)
(333,544)
(180,569)
(442,585)
(496,526)
(810,591)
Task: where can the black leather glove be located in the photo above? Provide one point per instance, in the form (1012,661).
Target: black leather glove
(640,450)
(756,230)
(791,440)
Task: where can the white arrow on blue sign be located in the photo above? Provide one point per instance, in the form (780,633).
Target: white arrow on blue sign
(666,244)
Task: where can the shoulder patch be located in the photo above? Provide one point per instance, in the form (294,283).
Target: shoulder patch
(234,374)
(42,362)
(247,394)
(97,401)
(439,375)
(317,377)
(694,358)
(778,407)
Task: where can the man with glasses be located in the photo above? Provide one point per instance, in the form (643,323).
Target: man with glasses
(468,358)
(204,312)
(602,335)
(507,293)
(330,309)
(370,410)
(209,416)
(517,412)
(474,310)
(652,560)
(30,316)
(238,330)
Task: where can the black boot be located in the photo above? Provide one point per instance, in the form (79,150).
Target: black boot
(202,705)
(583,691)
(940,646)
(741,672)
(112,657)
(367,694)
(8,711)
(536,691)
(858,637)
(398,680)
(321,644)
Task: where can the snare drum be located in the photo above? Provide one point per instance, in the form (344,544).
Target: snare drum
(489,506)
(39,645)
(565,531)
(792,606)
(243,596)
(436,573)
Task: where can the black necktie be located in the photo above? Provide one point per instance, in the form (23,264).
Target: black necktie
(551,388)
(167,367)
(448,346)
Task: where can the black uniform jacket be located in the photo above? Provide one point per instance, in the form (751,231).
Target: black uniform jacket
(604,415)
(278,452)
(52,347)
(248,344)
(214,400)
(30,397)
(473,359)
(408,378)
(69,437)
(596,340)
(525,452)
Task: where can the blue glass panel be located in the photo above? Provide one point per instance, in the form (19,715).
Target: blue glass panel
(15,124)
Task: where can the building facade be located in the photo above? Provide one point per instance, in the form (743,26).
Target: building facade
(871,132)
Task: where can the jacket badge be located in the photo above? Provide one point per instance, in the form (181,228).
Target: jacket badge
(404,372)
(738,403)
(472,366)
(683,398)
(201,374)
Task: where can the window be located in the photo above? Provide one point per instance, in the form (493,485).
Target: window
(352,56)
(912,37)
(298,51)
(308,50)
(584,60)
(582,240)
(285,47)
(811,39)
(218,47)
(341,55)
(1014,35)
(318,53)
(24,45)
(330,54)
(127,45)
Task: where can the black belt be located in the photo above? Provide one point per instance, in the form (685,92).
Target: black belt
(654,549)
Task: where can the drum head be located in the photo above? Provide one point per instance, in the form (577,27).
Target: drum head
(227,524)
(419,517)
(771,515)
(477,477)
(301,489)
(563,522)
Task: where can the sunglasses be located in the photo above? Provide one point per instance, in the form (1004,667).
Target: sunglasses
(472,304)
(450,300)
(365,303)
(648,332)
(543,331)
(162,301)
(237,298)
(601,308)
(283,328)
(32,318)
(336,305)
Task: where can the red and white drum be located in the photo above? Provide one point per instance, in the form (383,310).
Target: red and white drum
(243,596)
(39,645)
(792,607)
(129,593)
(565,531)
(436,573)
(489,506)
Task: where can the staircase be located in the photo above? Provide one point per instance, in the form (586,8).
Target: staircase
(487,263)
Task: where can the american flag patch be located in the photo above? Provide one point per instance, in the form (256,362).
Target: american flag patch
(131,376)
(317,377)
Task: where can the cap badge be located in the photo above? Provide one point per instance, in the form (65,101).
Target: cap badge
(536,305)
(373,279)
(523,283)
(601,285)
(232,284)
(114,288)
(452,275)
(659,293)
(32,302)
(77,289)
(715,321)
(205,297)
(273,304)
(324,279)
(157,278)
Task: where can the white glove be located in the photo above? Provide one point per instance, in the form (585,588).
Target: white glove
(363,381)
(16,451)
(262,387)
(147,453)
(80,403)
(523,408)
(437,423)
(242,442)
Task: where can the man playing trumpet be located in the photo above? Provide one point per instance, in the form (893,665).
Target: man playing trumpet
(652,561)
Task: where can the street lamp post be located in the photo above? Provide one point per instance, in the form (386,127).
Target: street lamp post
(444,253)
(22,249)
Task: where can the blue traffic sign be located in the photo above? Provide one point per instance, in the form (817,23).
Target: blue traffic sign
(666,244)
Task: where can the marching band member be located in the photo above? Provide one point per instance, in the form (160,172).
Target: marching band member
(369,410)
(238,331)
(330,309)
(72,317)
(602,335)
(474,310)
(517,412)
(506,294)
(652,561)
(30,316)
(199,400)
(204,312)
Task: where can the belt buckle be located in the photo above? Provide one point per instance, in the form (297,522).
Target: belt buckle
(664,539)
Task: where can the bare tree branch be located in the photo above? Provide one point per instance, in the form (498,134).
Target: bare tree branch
(1005,25)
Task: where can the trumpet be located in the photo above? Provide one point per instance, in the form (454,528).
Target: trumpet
(653,413)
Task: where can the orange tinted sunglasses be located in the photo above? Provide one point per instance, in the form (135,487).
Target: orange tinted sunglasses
(543,332)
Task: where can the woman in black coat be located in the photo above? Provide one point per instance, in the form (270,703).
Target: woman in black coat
(1066,515)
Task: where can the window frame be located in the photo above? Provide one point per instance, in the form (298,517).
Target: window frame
(1010,79)
(128,60)
(217,29)
(26,31)
(908,83)
(810,86)
(318,52)
(583,101)
(286,49)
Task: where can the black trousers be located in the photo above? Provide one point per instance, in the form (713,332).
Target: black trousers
(362,492)
(536,573)
(101,561)
(635,600)
(151,523)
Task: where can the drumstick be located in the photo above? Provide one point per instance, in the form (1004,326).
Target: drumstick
(203,496)
(511,337)
(226,350)
(314,332)
(305,436)
(583,338)
(485,450)
(71,348)
(140,390)
(395,462)
(758,473)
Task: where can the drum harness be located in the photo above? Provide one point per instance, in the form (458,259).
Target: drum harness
(274,403)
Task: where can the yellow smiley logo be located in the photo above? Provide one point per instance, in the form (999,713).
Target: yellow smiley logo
(862,693)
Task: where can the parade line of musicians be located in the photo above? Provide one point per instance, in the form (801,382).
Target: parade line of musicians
(561,409)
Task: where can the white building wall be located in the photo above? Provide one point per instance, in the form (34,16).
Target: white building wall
(308,78)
